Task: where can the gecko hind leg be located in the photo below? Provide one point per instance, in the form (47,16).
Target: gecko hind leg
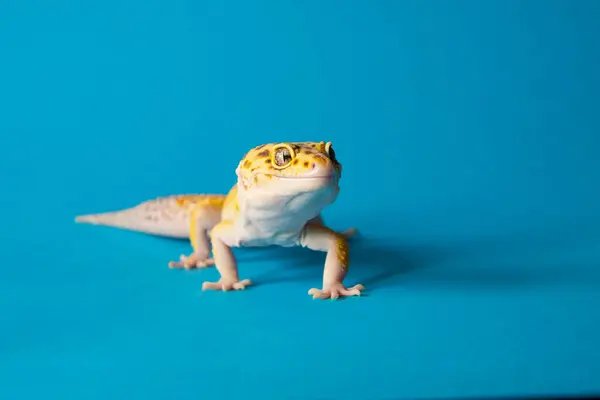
(203,218)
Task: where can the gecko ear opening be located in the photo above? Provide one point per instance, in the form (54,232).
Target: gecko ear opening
(282,156)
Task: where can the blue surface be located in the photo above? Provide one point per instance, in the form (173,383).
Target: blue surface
(469,136)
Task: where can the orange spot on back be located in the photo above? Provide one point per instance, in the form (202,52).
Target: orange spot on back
(200,200)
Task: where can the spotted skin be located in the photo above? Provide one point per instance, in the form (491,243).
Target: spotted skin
(278,198)
(342,251)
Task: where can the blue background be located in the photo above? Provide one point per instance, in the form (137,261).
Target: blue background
(468,131)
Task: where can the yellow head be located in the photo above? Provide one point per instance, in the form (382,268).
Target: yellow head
(299,174)
(277,165)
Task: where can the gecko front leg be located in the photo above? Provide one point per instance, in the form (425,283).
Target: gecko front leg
(202,219)
(320,238)
(225,262)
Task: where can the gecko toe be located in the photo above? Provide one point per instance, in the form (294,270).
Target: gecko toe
(226,285)
(191,262)
(336,291)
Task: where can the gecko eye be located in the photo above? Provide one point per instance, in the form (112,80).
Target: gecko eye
(283,155)
(329,150)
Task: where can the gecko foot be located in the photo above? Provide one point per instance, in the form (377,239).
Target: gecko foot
(334,291)
(226,285)
(192,261)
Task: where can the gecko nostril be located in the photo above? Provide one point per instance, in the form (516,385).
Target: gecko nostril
(314,165)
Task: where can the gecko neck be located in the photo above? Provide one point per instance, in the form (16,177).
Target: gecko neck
(275,215)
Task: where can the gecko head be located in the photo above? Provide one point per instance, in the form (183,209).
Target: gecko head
(309,170)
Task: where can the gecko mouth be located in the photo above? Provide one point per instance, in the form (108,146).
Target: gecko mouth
(304,178)
(316,181)
(309,182)
(303,184)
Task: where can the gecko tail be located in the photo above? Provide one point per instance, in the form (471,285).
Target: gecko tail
(129,219)
(162,216)
(108,218)
(143,218)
